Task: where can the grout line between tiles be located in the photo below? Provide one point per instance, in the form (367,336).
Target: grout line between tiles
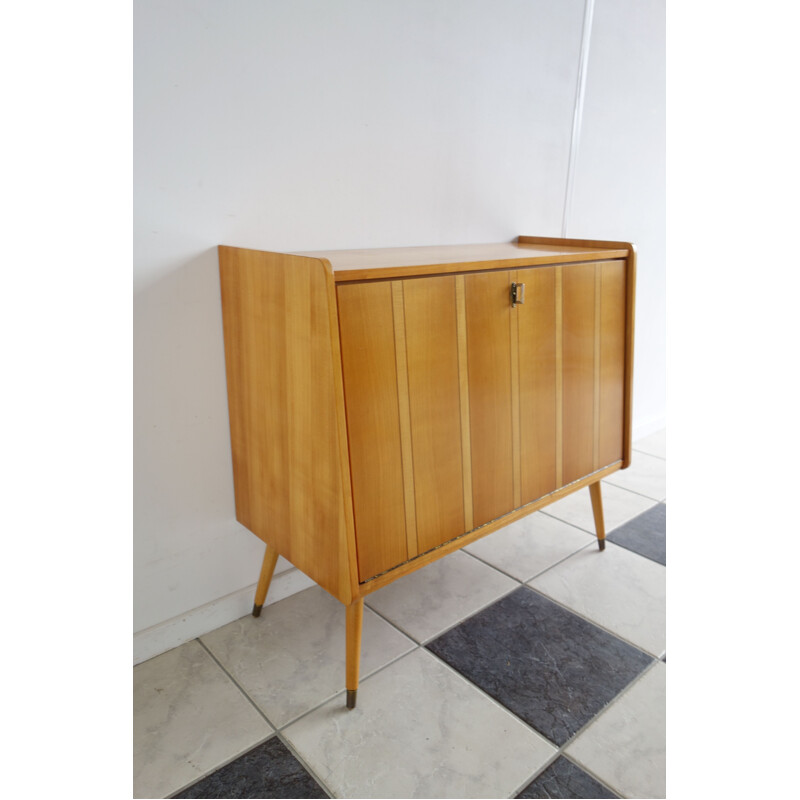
(560,754)
(523,582)
(645,453)
(238,686)
(389,622)
(604,783)
(274,732)
(272,735)
(558,603)
(536,773)
(649,668)
(552,516)
(561,750)
(610,530)
(341,692)
(455,624)
(222,764)
(493,700)
(594,622)
(638,494)
(306,766)
(470,616)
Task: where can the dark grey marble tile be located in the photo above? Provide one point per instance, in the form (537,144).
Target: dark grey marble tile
(565,779)
(548,666)
(645,534)
(268,770)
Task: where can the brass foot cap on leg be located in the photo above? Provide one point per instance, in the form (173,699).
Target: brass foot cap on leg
(601,543)
(257,610)
(351,698)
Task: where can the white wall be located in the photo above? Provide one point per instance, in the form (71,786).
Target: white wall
(620,174)
(300,124)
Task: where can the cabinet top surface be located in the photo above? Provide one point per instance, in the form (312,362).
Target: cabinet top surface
(350,265)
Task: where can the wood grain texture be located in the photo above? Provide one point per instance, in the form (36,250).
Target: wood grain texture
(602,248)
(431,330)
(399,262)
(630,319)
(265,576)
(348,567)
(404,413)
(597,510)
(463,392)
(484,530)
(515,412)
(559,288)
(282,403)
(354,619)
(578,370)
(460,412)
(488,307)
(610,250)
(373,424)
(598,285)
(537,383)
(611,362)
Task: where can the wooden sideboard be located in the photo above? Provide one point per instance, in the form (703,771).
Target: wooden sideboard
(390,406)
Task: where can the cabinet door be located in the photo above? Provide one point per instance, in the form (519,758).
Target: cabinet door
(373,425)
(536,324)
(430,328)
(489,343)
(593,358)
(611,370)
(400,359)
(578,364)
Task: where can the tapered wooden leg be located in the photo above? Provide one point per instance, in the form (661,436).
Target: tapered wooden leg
(597,510)
(267,568)
(355,616)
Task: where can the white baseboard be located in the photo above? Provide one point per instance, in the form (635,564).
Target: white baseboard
(176,631)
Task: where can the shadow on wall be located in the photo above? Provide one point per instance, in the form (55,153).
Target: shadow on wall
(183,484)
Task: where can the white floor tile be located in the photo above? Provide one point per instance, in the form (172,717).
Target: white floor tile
(619,506)
(188,719)
(419,730)
(436,597)
(646,475)
(626,745)
(292,657)
(654,445)
(618,589)
(530,545)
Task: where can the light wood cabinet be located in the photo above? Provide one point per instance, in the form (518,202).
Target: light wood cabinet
(389,406)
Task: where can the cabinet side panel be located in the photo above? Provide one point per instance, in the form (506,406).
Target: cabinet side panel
(282,406)
(373,424)
(489,360)
(537,379)
(612,361)
(578,320)
(433,381)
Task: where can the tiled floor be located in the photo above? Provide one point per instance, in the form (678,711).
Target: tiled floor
(528,664)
